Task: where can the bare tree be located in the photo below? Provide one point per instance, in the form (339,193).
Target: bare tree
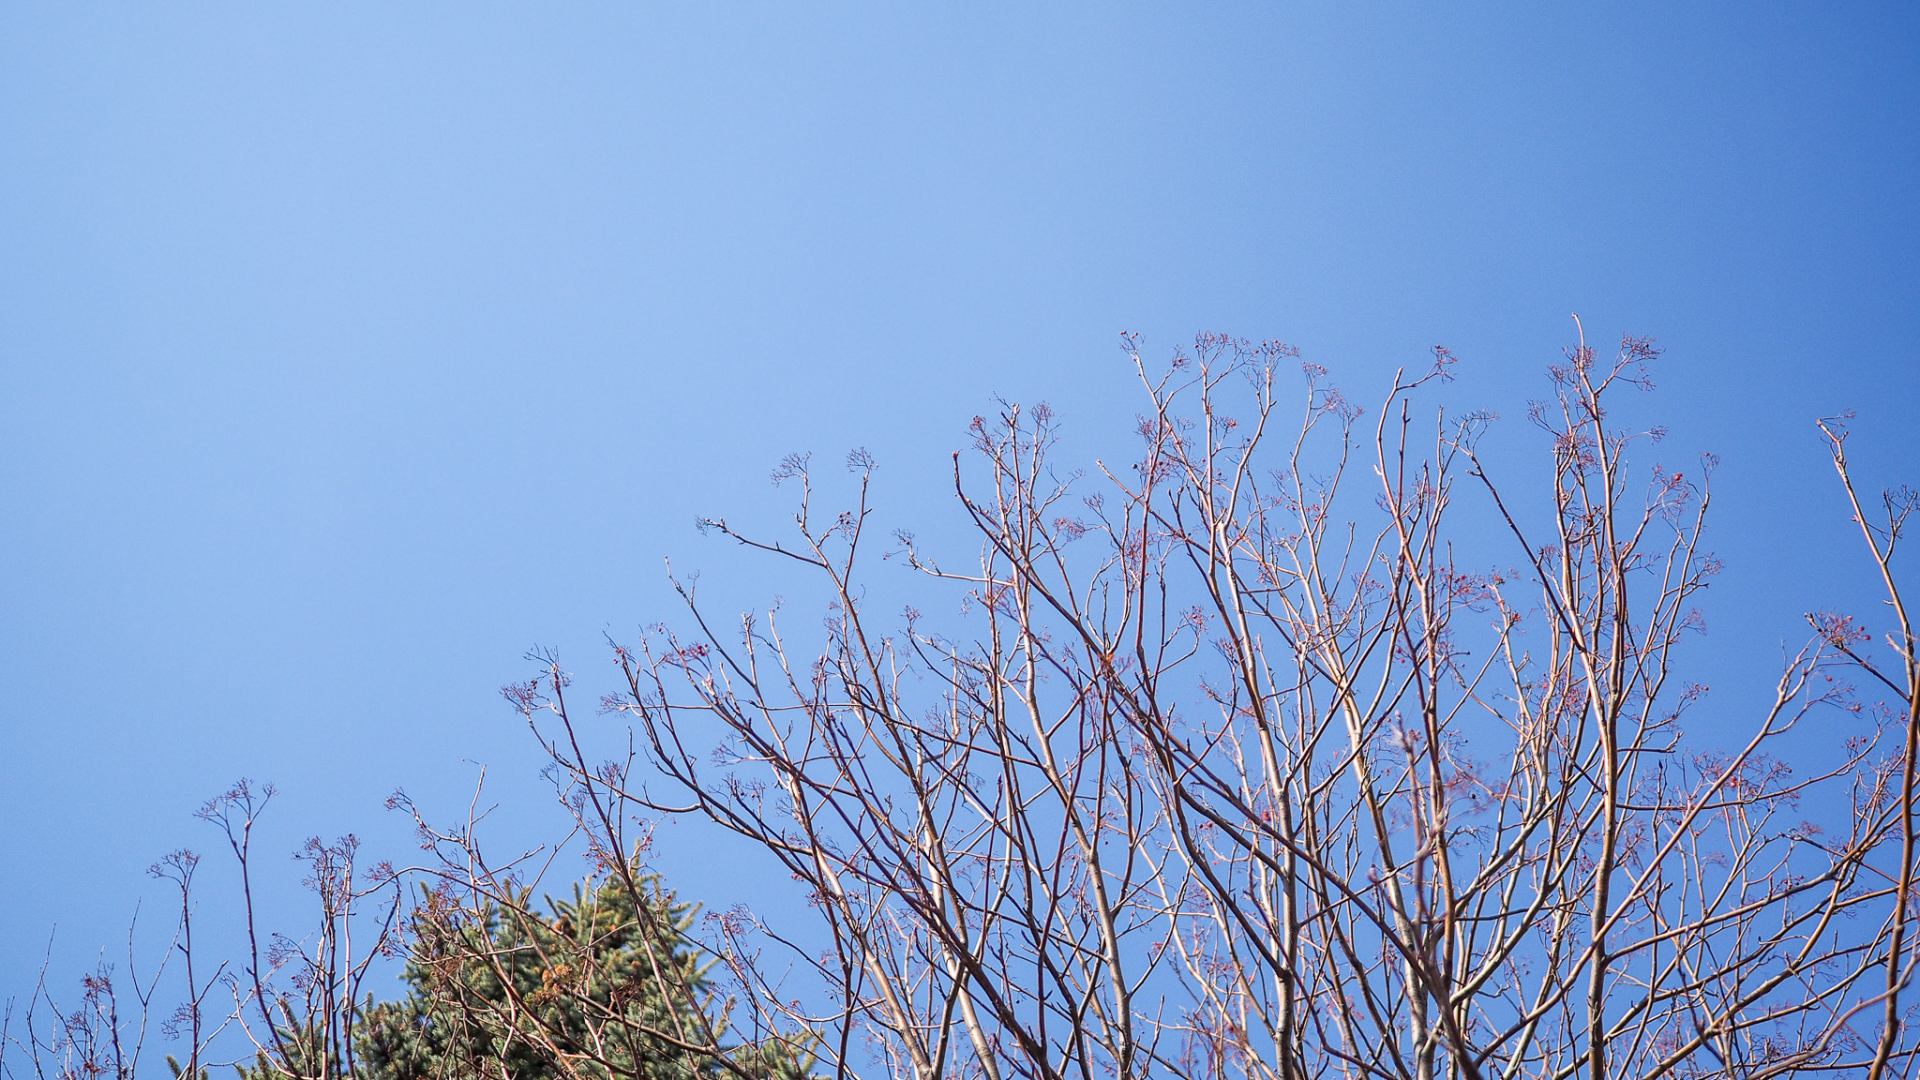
(291,1003)
(608,984)
(1256,758)
(1304,744)
(103,1034)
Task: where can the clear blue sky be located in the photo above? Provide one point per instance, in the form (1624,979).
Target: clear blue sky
(346,353)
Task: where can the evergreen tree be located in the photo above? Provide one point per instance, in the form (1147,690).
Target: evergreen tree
(602,985)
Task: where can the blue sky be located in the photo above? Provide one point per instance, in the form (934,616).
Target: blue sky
(347,353)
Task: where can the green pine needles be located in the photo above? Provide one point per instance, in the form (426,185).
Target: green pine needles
(605,984)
